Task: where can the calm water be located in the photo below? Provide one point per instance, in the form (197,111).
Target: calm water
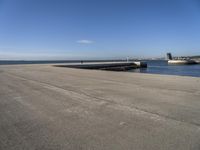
(18,62)
(154,67)
(162,67)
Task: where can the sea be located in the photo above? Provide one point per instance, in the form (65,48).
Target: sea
(162,67)
(154,67)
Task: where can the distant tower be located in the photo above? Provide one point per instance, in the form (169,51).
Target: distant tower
(169,56)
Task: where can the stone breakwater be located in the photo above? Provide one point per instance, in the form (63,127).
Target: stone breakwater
(112,66)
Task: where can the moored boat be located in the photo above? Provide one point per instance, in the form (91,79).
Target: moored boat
(183,62)
(179,61)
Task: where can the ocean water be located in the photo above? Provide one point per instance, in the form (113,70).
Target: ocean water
(162,67)
(18,62)
(154,67)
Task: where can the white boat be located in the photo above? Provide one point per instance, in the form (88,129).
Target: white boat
(179,61)
(183,62)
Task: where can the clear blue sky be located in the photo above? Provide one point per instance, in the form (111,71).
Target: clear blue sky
(87,29)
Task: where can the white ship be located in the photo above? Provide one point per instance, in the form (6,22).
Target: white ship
(179,61)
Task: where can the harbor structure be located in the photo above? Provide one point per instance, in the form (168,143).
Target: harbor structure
(112,66)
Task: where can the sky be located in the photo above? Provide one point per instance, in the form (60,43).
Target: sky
(98,29)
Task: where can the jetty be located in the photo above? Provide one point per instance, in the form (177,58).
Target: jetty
(112,66)
(45,107)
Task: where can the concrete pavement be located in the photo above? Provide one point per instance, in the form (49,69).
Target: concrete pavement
(44,107)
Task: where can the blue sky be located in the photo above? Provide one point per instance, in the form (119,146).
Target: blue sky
(91,29)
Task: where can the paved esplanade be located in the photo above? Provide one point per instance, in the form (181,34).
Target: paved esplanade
(53,108)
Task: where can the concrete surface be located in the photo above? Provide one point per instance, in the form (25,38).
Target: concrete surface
(54,108)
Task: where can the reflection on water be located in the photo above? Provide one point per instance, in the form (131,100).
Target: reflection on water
(162,67)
